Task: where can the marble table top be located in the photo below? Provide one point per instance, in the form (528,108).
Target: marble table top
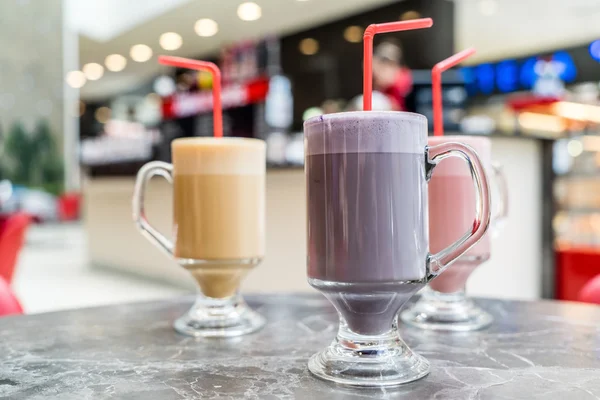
(535,350)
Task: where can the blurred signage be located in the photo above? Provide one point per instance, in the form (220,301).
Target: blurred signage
(544,75)
(122,141)
(234,95)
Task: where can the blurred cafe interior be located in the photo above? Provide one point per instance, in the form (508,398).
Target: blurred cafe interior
(84,103)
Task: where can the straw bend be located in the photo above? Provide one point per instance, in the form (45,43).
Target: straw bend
(370,31)
(216,75)
(368,35)
(436,86)
(452,61)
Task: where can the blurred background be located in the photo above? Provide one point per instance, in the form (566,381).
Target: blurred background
(84,104)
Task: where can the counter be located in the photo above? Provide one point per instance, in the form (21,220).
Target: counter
(535,350)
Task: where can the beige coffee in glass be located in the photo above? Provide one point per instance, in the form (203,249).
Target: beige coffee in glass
(218,220)
(219,209)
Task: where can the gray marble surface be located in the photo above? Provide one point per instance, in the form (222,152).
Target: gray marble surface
(535,350)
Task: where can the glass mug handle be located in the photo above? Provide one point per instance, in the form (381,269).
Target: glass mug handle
(146,173)
(438,262)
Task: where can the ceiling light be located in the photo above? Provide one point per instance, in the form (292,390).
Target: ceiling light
(309,46)
(577,111)
(542,122)
(76,79)
(488,7)
(249,11)
(115,62)
(570,110)
(140,53)
(93,71)
(103,115)
(353,34)
(206,27)
(408,15)
(170,41)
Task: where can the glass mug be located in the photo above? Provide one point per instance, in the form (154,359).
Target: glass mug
(368,241)
(218,226)
(443,305)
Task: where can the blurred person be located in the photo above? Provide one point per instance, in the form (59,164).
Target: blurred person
(390,76)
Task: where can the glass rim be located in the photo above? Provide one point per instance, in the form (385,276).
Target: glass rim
(215,140)
(365,115)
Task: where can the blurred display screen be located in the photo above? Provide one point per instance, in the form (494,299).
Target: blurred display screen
(541,73)
(512,75)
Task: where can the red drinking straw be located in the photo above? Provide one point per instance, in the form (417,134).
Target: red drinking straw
(371,31)
(216,77)
(436,85)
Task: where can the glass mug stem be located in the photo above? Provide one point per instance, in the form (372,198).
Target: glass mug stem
(438,311)
(223,317)
(219,310)
(368,360)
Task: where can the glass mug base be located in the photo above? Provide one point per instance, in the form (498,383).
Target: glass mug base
(446,312)
(368,350)
(368,361)
(228,317)
(219,310)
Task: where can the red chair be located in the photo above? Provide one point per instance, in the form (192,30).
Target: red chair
(9,304)
(590,293)
(575,267)
(12,237)
(69,206)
